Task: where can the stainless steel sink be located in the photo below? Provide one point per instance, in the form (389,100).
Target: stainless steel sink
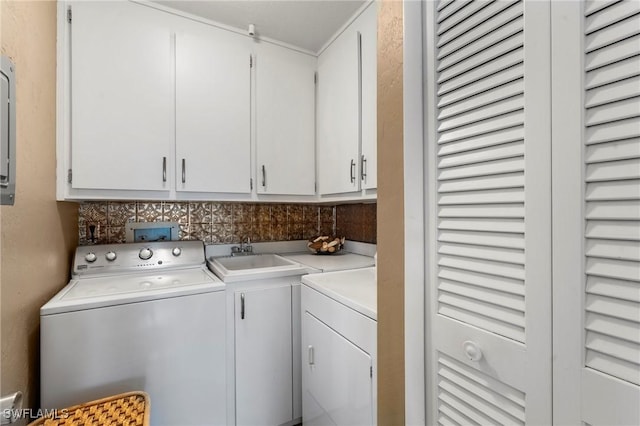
(252,267)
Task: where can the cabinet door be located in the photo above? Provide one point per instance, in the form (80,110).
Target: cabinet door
(336,374)
(121,98)
(213,151)
(285,121)
(338,109)
(263,356)
(490,203)
(367,25)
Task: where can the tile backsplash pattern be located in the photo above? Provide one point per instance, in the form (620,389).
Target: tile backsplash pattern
(357,222)
(228,223)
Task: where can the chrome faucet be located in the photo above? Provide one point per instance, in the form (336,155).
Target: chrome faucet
(243,249)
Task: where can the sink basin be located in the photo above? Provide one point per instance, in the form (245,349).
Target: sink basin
(254,261)
(253,267)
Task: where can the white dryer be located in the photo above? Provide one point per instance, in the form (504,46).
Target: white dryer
(141,316)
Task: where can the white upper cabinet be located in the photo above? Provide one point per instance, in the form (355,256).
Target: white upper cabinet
(347,81)
(153,104)
(338,110)
(213,114)
(285,121)
(122,97)
(367,25)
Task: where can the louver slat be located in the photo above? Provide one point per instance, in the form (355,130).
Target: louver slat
(593,6)
(481,178)
(508,150)
(482,77)
(483,112)
(479,31)
(613,34)
(613,190)
(469,396)
(624,89)
(611,15)
(478,45)
(615,72)
(491,282)
(612,196)
(493,52)
(476,13)
(487,211)
(623,150)
(495,239)
(452,9)
(624,49)
(493,82)
(509,195)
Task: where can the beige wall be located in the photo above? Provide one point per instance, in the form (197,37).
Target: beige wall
(38,234)
(390,217)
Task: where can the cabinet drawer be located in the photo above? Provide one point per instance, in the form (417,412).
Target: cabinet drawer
(359,329)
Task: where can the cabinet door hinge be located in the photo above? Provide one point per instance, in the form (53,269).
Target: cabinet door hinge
(250,61)
(69,175)
(69,14)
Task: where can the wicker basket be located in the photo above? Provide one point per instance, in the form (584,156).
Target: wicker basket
(125,409)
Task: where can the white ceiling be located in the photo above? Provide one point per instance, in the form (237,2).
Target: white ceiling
(304,23)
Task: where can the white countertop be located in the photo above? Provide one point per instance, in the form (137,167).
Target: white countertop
(333,262)
(356,288)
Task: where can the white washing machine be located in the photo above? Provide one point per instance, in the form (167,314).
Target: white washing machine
(140,316)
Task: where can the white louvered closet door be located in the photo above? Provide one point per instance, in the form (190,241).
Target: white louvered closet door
(612,207)
(490,212)
(600,312)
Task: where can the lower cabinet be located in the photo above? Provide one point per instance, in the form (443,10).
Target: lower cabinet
(338,362)
(338,378)
(264,330)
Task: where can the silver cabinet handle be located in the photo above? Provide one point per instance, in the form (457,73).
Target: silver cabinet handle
(311,360)
(164,169)
(363,167)
(352,171)
(241,305)
(184,172)
(264,176)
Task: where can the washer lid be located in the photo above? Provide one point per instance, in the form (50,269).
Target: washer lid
(124,284)
(97,292)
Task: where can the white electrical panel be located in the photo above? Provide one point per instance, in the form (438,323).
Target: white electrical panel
(7,132)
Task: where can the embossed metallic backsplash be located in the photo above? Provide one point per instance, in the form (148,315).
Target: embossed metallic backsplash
(224,223)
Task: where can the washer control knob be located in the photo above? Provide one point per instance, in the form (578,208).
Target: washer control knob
(111,256)
(177,251)
(90,257)
(145,254)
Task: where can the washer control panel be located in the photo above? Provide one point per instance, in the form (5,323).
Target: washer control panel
(114,258)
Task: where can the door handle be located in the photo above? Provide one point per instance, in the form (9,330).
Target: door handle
(241,305)
(264,176)
(363,168)
(352,171)
(184,172)
(472,350)
(164,169)
(311,360)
